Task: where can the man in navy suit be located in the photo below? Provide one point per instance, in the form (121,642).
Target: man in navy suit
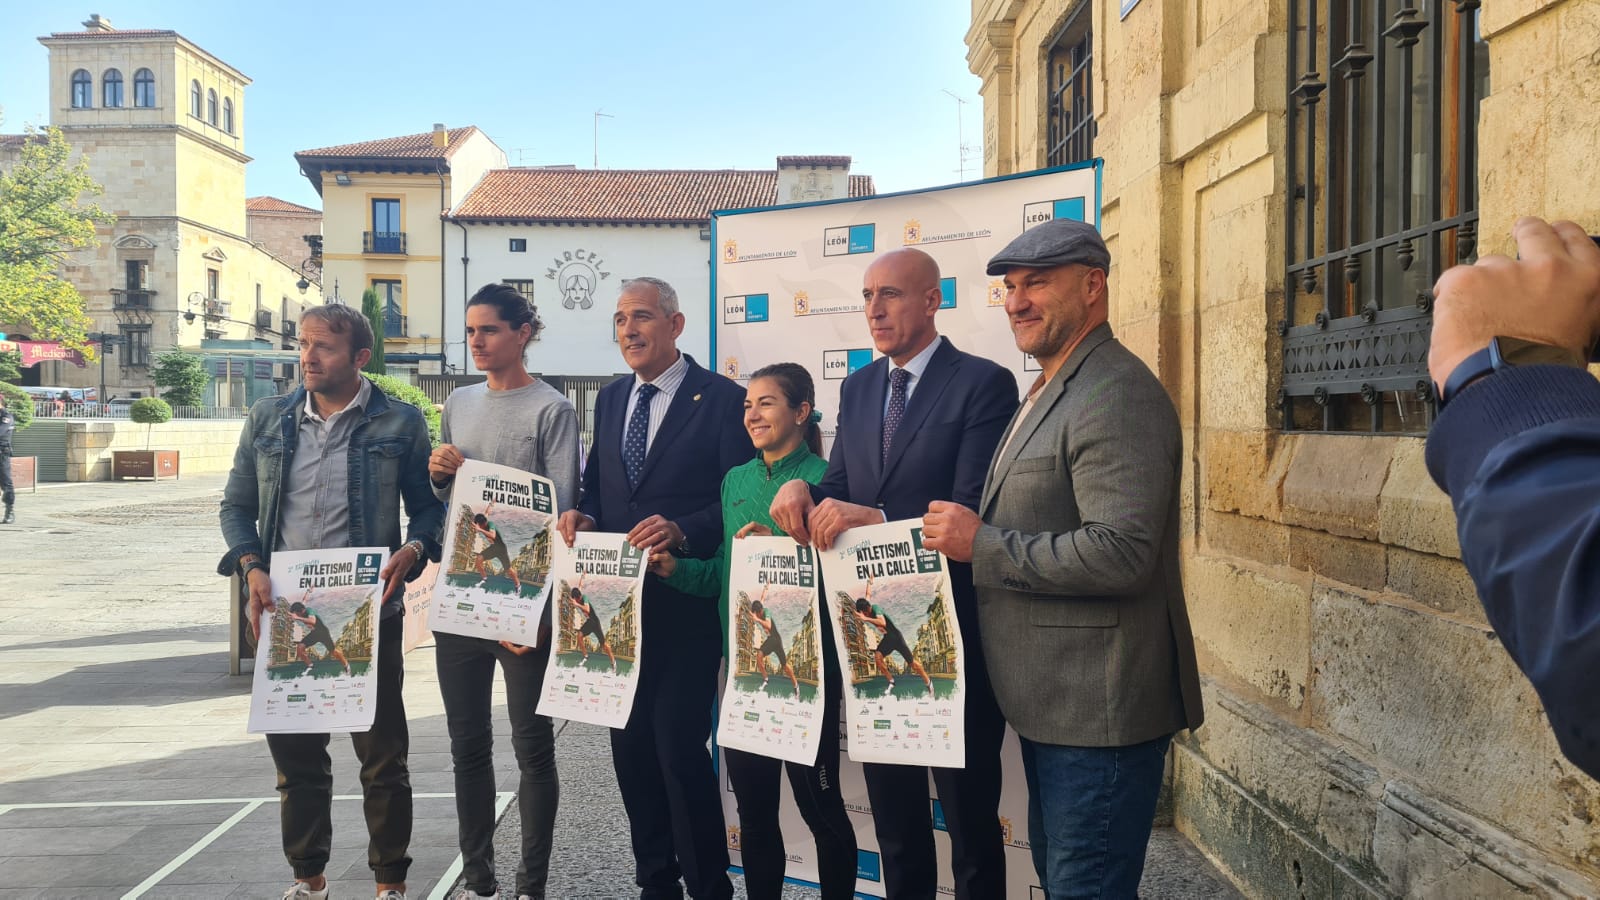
(663,440)
(920,424)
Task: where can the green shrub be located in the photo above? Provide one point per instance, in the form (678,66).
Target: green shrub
(20,404)
(396,389)
(150,412)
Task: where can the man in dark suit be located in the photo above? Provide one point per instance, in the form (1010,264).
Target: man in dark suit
(1076,564)
(919,424)
(663,440)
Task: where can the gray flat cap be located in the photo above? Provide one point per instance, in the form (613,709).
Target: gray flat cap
(1054,243)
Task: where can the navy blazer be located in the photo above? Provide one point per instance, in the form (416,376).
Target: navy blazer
(954,420)
(700,439)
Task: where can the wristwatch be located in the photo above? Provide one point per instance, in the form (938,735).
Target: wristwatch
(245,568)
(1504,352)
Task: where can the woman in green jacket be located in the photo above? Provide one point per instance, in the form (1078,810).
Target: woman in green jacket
(779,414)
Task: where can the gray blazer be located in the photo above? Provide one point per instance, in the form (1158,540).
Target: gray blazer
(1076,568)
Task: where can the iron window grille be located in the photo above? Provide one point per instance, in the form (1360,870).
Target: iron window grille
(1381,198)
(1070,91)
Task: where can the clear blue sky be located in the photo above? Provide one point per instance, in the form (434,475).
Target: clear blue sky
(702,84)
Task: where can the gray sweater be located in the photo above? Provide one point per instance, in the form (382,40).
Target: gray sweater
(533,428)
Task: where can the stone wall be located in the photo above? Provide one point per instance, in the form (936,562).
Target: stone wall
(204,446)
(1366,733)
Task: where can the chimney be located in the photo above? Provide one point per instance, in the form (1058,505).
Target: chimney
(441,138)
(97,22)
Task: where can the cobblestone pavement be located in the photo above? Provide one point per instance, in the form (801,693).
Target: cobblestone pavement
(125,770)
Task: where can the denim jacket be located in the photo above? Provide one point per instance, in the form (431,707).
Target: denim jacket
(388,450)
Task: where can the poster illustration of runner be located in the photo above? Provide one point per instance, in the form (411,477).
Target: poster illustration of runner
(316,665)
(772,702)
(894,623)
(496,554)
(594,609)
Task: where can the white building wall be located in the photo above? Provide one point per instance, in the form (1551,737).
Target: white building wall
(563,260)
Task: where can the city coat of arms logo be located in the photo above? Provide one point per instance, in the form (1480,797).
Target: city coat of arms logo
(913,232)
(997,292)
(577,274)
(730,251)
(802,303)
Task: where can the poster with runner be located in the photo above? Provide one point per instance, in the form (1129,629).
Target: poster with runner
(316,665)
(495,559)
(894,623)
(772,703)
(594,621)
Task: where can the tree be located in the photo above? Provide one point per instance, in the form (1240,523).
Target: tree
(396,389)
(10,366)
(43,218)
(150,412)
(373,310)
(20,404)
(183,375)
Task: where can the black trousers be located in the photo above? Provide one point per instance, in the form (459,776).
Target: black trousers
(902,816)
(466,681)
(664,772)
(816,793)
(305,779)
(8,494)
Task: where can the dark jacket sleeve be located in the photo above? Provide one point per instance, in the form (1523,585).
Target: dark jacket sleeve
(989,411)
(241,497)
(703,527)
(1519,455)
(424,510)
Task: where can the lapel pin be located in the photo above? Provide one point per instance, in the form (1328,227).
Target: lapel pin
(696,398)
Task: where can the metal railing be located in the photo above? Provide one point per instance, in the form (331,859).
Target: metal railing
(383,242)
(394,324)
(131,299)
(118,409)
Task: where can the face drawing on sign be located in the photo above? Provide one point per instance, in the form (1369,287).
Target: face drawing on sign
(577,291)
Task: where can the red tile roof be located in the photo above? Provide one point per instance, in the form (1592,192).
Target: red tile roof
(410,146)
(658,196)
(273,204)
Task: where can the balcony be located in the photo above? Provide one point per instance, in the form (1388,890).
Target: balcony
(289,328)
(131,299)
(394,324)
(383,242)
(216,309)
(264,319)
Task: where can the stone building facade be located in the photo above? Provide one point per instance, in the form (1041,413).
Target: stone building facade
(161,123)
(281,228)
(1283,180)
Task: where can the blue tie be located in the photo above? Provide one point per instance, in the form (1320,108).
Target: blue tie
(898,379)
(636,440)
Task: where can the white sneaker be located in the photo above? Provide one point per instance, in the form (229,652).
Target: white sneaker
(466,893)
(391,895)
(302,891)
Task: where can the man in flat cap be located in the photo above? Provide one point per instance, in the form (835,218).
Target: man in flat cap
(919,424)
(1075,562)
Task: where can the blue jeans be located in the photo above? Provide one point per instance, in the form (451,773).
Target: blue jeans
(1089,815)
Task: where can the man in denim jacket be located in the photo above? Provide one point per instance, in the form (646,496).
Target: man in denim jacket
(328,466)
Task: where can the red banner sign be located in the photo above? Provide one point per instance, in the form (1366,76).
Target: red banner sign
(35,352)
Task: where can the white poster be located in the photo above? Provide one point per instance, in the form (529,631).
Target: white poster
(772,703)
(894,623)
(496,555)
(317,662)
(419,603)
(594,609)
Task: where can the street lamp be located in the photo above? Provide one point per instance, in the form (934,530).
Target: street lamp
(106,342)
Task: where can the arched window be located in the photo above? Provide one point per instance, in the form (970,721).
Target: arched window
(111,89)
(82,90)
(144,88)
(227,114)
(194,99)
(211,106)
